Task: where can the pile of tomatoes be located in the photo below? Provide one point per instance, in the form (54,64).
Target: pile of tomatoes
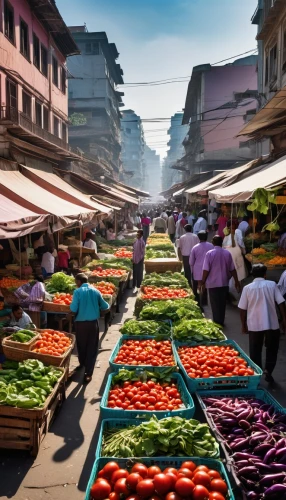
(189,482)
(105,287)
(213,361)
(104,273)
(53,343)
(145,352)
(123,253)
(62,298)
(12,282)
(153,292)
(150,396)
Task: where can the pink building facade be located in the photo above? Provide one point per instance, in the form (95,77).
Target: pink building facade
(34,45)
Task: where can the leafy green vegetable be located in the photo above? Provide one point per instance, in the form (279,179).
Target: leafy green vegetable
(170,279)
(261,200)
(115,263)
(134,327)
(172,436)
(61,282)
(142,375)
(159,254)
(197,330)
(161,246)
(23,336)
(171,309)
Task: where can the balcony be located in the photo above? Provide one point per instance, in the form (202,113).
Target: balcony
(22,127)
(272,13)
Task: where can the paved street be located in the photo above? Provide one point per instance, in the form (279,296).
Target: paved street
(66,456)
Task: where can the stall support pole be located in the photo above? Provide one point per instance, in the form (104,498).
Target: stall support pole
(80,249)
(20,256)
(115,223)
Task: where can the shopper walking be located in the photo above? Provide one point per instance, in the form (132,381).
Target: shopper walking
(160,225)
(259,318)
(138,260)
(180,225)
(146,223)
(86,305)
(218,268)
(196,262)
(171,226)
(185,245)
(201,224)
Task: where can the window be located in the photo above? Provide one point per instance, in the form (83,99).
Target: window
(55,72)
(92,48)
(24,39)
(45,118)
(63,80)
(27,104)
(56,126)
(36,51)
(64,132)
(88,49)
(266,70)
(128,130)
(9,21)
(44,60)
(38,107)
(284,52)
(273,63)
(11,95)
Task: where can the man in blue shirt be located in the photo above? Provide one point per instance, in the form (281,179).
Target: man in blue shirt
(86,305)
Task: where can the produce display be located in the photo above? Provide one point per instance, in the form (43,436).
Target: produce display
(106,273)
(149,352)
(253,432)
(153,292)
(112,263)
(172,436)
(159,236)
(12,283)
(53,343)
(159,254)
(105,287)
(205,361)
(160,245)
(27,384)
(197,330)
(23,336)
(62,299)
(144,391)
(60,282)
(173,310)
(124,253)
(165,279)
(134,327)
(191,480)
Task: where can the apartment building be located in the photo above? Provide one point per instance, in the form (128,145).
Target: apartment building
(133,144)
(170,173)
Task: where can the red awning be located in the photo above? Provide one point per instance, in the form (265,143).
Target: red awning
(15,220)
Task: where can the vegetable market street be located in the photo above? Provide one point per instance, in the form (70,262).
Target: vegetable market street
(63,465)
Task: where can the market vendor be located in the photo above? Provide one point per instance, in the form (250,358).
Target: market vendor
(86,305)
(89,243)
(110,234)
(31,296)
(48,261)
(19,319)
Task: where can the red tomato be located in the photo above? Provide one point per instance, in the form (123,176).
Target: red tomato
(184,487)
(153,470)
(162,483)
(132,480)
(120,487)
(109,468)
(215,495)
(219,485)
(185,473)
(141,469)
(173,477)
(188,465)
(200,493)
(117,474)
(173,496)
(214,474)
(200,468)
(133,497)
(114,496)
(100,490)
(145,488)
(202,477)
(170,469)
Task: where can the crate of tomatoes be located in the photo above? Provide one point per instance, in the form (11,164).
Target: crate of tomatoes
(170,478)
(115,276)
(149,352)
(139,393)
(161,293)
(219,366)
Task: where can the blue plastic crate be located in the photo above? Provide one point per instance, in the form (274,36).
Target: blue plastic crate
(219,383)
(118,424)
(187,412)
(115,351)
(163,463)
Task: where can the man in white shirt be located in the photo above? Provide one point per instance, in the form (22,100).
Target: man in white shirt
(185,245)
(48,262)
(201,224)
(89,243)
(259,318)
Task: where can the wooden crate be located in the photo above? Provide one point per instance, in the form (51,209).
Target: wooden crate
(51,307)
(22,429)
(162,265)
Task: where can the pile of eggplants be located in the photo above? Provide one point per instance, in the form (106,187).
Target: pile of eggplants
(254,433)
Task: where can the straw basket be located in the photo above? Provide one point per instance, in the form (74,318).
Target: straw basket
(25,346)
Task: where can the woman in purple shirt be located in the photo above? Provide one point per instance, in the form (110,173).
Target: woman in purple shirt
(197,258)
(138,260)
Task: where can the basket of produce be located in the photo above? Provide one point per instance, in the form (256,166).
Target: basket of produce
(175,310)
(252,436)
(161,264)
(195,331)
(159,254)
(215,366)
(169,436)
(217,481)
(163,394)
(105,288)
(149,327)
(148,352)
(112,263)
(123,253)
(161,245)
(61,303)
(52,348)
(113,275)
(22,339)
(168,279)
(9,285)
(158,236)
(60,283)
(164,293)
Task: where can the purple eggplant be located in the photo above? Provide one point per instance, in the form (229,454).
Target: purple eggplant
(269,479)
(244,424)
(278,467)
(243,456)
(269,457)
(275,491)
(239,445)
(262,448)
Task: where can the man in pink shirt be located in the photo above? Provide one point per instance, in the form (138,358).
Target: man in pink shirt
(218,268)
(197,258)
(138,260)
(185,245)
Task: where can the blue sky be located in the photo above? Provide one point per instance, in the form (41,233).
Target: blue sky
(160,39)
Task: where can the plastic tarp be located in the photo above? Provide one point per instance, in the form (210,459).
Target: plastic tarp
(16,221)
(56,185)
(272,175)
